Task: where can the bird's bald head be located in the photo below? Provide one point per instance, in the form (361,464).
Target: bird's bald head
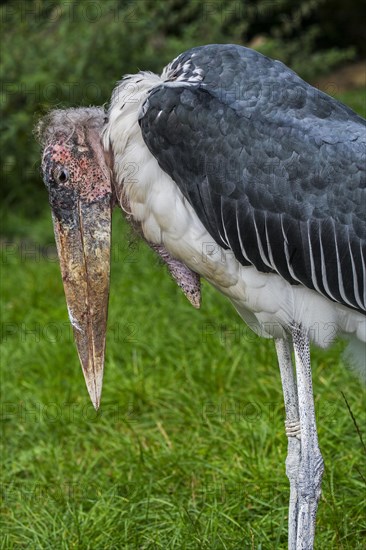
(78,180)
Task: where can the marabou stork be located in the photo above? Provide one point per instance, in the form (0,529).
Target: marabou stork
(233,169)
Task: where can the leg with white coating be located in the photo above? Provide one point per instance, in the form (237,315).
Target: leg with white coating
(292,425)
(311,465)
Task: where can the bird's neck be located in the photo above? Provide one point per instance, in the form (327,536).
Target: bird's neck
(123,141)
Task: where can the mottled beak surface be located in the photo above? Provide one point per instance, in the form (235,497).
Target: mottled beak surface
(79,186)
(83,245)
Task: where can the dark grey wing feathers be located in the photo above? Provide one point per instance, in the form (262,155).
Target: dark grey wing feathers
(274,168)
(363,271)
(259,227)
(357,284)
(314,276)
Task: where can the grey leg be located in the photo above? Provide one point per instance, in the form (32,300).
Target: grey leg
(311,465)
(292,425)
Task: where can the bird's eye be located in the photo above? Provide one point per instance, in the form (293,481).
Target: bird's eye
(61,174)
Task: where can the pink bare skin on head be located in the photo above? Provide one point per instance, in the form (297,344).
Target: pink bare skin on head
(76,168)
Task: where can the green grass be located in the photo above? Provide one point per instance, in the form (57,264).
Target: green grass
(188,449)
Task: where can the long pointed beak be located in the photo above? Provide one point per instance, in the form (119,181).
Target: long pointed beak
(83,239)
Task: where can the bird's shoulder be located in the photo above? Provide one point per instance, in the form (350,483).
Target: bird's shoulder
(252,83)
(250,125)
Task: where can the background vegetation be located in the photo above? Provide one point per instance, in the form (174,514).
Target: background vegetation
(188,449)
